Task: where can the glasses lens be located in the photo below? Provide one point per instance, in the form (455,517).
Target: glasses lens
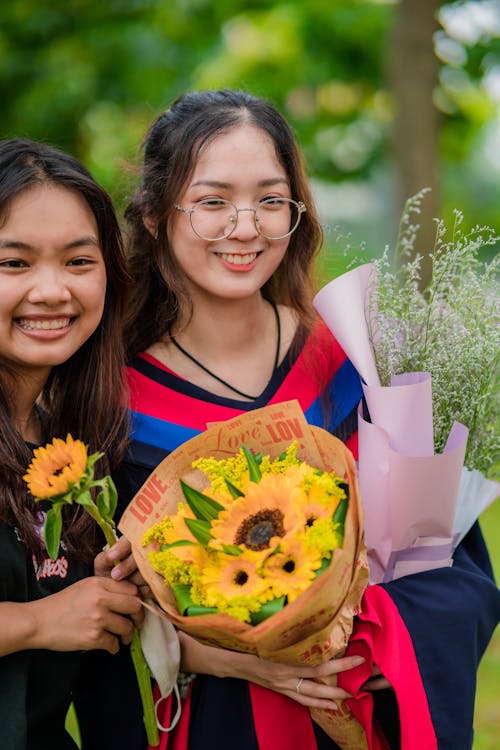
(213,219)
(277,217)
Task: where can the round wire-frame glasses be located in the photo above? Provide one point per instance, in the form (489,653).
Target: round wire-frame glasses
(223,215)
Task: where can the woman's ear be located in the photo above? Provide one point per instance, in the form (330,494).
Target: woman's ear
(150,225)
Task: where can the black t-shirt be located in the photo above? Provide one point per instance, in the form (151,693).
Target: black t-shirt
(35,686)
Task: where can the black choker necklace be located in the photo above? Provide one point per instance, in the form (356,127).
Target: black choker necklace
(213,375)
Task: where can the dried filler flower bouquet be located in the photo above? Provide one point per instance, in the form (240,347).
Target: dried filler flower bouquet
(429,361)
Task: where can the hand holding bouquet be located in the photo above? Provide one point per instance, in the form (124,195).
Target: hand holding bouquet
(261,554)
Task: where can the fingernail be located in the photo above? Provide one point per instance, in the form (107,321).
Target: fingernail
(116,574)
(357,660)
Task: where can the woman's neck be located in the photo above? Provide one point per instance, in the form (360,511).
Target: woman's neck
(233,343)
(228,327)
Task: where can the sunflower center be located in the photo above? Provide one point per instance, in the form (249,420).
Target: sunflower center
(289,566)
(57,472)
(256,531)
(240,578)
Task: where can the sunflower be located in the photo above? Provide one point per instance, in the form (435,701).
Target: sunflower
(292,568)
(229,579)
(259,519)
(56,468)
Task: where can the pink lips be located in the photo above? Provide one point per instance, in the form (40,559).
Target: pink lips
(236,262)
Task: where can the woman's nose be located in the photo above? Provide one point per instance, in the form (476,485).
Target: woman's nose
(246,227)
(49,287)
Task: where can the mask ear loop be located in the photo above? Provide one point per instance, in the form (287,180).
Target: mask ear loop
(178,712)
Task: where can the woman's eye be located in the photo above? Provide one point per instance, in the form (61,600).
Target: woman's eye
(81,262)
(273,202)
(13,263)
(209,203)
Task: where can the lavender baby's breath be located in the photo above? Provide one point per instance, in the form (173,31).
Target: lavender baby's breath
(451,329)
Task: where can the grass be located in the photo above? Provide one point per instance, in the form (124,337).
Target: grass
(487,715)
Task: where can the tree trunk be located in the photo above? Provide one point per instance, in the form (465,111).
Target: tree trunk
(413,74)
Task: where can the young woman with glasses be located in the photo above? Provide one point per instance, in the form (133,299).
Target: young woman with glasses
(222,238)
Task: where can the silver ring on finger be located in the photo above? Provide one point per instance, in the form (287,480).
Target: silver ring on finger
(299,683)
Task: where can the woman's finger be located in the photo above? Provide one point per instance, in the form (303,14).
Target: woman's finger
(377,683)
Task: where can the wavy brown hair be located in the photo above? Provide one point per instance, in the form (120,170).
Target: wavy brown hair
(171,149)
(86,394)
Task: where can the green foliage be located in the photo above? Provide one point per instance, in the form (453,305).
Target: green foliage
(90,76)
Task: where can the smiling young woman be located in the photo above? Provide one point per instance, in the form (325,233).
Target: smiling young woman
(222,237)
(63,285)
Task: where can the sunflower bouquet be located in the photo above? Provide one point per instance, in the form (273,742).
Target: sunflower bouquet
(254,539)
(250,536)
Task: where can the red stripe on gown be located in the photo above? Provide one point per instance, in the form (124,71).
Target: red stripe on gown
(380,635)
(179,737)
(280,723)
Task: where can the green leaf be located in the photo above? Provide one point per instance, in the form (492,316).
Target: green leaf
(253,466)
(235,492)
(91,461)
(267,609)
(202,506)
(182,596)
(107,499)
(341,511)
(84,499)
(52,531)
(185,603)
(178,543)
(232,549)
(196,609)
(113,496)
(199,529)
(324,564)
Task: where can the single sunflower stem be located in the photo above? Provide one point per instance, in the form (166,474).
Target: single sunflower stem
(142,672)
(144,681)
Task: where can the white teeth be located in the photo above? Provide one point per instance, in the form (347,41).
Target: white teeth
(43,325)
(238,260)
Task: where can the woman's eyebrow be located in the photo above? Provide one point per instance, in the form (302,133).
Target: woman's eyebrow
(269,182)
(82,242)
(15,244)
(78,242)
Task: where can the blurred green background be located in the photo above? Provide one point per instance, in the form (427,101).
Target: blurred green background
(386,97)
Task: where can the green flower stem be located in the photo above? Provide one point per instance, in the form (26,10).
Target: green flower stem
(142,671)
(144,681)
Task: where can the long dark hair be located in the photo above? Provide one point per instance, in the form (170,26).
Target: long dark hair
(171,148)
(85,395)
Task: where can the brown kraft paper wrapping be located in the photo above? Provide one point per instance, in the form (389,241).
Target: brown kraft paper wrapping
(317,625)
